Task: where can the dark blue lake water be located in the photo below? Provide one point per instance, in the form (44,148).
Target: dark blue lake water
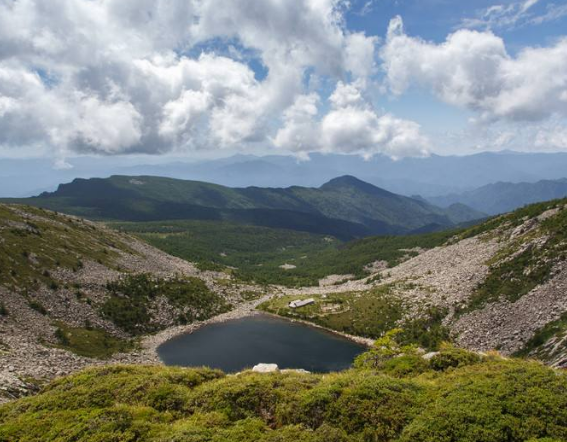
(242,343)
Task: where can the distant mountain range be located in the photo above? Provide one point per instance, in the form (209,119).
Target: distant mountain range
(505,197)
(345,207)
(429,177)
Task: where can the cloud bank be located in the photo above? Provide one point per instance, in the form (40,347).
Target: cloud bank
(115,77)
(151,76)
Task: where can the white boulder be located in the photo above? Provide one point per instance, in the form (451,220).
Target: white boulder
(265,368)
(430,355)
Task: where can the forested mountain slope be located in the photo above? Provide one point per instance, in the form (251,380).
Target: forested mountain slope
(344,207)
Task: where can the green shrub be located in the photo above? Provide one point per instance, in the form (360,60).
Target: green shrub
(426,330)
(168,397)
(383,350)
(452,357)
(38,307)
(492,400)
(61,337)
(405,366)
(498,401)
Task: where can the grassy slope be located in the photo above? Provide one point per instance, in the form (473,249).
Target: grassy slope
(35,241)
(455,396)
(257,252)
(370,314)
(89,342)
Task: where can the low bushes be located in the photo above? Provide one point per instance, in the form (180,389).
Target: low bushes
(90,342)
(456,396)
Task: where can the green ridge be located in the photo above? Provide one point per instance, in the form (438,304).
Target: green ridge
(35,242)
(344,207)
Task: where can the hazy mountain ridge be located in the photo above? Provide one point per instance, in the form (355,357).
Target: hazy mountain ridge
(432,176)
(504,196)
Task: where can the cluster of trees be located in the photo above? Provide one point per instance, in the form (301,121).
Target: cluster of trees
(129,303)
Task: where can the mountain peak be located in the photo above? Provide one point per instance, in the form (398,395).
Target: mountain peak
(351,182)
(345,181)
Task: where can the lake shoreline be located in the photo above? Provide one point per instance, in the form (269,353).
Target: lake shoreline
(367,342)
(14,367)
(150,344)
(240,344)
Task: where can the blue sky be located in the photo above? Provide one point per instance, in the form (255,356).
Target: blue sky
(433,20)
(209,78)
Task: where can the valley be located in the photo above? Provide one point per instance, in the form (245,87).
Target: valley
(278,256)
(74,281)
(82,294)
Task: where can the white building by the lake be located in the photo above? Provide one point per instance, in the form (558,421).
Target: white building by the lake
(301,303)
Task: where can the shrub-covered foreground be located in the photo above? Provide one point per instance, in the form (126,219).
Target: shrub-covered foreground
(455,396)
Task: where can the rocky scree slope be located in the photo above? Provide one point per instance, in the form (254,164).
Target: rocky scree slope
(499,285)
(75,293)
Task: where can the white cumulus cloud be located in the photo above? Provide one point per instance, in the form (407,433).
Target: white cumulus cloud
(350,126)
(149,76)
(473,70)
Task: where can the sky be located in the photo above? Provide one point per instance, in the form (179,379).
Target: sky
(209,78)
